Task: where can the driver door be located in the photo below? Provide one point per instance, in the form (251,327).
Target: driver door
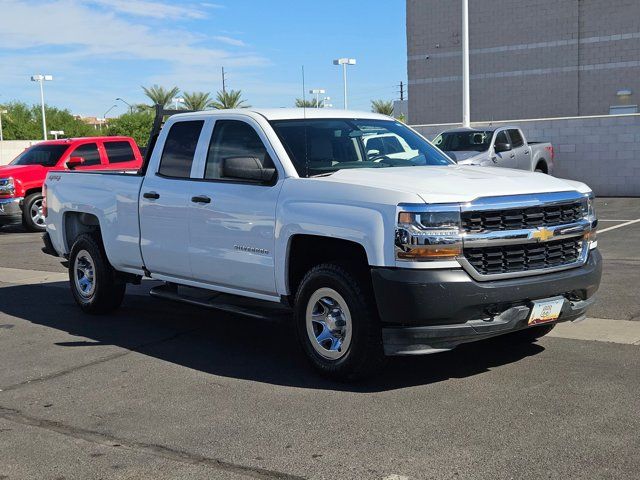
(506,159)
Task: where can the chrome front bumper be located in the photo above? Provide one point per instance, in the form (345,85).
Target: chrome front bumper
(10,210)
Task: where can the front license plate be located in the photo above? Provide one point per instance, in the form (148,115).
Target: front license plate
(547,310)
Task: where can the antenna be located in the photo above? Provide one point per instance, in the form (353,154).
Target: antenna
(304,116)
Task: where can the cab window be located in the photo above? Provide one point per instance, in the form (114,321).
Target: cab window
(89,152)
(179,149)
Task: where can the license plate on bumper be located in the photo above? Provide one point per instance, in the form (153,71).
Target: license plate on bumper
(547,310)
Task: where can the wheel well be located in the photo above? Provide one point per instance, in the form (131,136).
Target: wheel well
(32,190)
(542,165)
(306,251)
(77,223)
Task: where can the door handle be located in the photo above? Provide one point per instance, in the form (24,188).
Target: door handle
(513,155)
(151,195)
(200,199)
(526,152)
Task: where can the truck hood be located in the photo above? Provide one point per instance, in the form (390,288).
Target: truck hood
(466,156)
(456,183)
(20,171)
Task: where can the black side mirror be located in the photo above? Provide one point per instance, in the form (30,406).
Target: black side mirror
(247,168)
(502,147)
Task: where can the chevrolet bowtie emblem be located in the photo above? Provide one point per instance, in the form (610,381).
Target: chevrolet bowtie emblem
(541,234)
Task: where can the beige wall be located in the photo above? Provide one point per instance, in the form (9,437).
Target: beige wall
(9,149)
(529,58)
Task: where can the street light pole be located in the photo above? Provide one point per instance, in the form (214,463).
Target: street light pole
(105,115)
(126,103)
(41,79)
(1,112)
(317,92)
(344,62)
(466,113)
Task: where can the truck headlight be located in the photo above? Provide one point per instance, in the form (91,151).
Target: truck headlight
(428,233)
(7,187)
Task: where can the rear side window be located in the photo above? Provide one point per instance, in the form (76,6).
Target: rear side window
(90,154)
(179,149)
(119,152)
(516,138)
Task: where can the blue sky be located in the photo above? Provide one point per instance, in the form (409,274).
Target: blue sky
(98,50)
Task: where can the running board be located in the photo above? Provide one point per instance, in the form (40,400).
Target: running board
(249,307)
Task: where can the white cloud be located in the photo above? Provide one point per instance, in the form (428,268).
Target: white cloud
(230,41)
(148,8)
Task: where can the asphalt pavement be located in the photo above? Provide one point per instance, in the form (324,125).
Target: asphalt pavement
(161,390)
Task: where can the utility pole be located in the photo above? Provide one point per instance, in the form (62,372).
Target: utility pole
(401,91)
(224,89)
(466,113)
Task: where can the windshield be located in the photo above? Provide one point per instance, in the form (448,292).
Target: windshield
(474,141)
(324,146)
(45,155)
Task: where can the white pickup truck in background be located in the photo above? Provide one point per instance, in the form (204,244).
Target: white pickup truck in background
(319,216)
(496,147)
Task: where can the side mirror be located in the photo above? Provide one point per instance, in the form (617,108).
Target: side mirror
(373,152)
(247,168)
(502,147)
(74,162)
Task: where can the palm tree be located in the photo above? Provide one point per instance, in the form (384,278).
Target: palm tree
(197,100)
(300,102)
(229,99)
(382,106)
(160,95)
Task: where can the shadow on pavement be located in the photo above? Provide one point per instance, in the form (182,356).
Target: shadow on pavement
(233,346)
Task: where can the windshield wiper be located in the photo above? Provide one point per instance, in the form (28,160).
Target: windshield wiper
(322,175)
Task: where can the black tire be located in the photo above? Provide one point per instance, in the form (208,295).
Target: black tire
(531,334)
(27,219)
(108,291)
(364,354)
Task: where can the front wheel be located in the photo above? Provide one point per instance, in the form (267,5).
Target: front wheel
(94,283)
(32,214)
(337,323)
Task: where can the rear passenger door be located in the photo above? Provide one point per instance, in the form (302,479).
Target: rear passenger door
(165,200)
(120,154)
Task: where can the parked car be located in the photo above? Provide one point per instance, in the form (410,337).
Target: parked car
(280,212)
(496,147)
(21,181)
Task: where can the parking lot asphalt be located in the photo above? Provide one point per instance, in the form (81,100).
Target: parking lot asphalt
(161,390)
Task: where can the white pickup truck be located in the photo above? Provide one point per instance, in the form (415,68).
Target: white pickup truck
(496,147)
(270,212)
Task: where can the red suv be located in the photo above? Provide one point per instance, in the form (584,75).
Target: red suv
(21,181)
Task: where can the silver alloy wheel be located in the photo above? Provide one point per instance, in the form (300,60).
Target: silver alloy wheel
(37,217)
(329,325)
(84,274)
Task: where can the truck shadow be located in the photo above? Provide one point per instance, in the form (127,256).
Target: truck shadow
(233,346)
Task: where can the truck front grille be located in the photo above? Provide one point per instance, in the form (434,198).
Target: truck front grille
(523,218)
(524,257)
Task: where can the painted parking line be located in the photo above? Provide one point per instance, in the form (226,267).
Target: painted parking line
(630,222)
(600,330)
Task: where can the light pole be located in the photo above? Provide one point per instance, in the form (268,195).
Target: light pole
(55,133)
(325,104)
(126,103)
(41,79)
(466,110)
(177,101)
(1,113)
(344,62)
(104,117)
(317,92)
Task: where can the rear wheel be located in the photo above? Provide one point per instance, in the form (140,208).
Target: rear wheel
(337,323)
(94,283)
(32,214)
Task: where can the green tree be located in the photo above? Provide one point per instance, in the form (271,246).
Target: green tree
(382,106)
(197,100)
(229,99)
(23,122)
(160,95)
(136,124)
(301,102)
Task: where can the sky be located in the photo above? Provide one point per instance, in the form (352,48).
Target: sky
(98,50)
